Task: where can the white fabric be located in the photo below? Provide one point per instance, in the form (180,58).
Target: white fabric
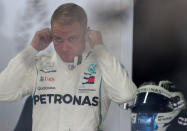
(64,99)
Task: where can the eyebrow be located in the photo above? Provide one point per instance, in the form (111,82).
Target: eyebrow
(73,36)
(55,36)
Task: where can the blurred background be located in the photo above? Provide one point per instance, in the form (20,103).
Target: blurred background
(160,42)
(19,20)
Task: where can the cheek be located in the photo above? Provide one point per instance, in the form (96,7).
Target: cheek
(58,47)
(80,49)
(81,45)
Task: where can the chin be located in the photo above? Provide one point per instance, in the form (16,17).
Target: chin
(68,60)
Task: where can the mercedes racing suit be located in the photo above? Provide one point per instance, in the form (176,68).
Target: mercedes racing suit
(67,97)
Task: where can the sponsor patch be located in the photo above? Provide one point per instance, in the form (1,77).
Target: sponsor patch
(44,78)
(66,99)
(91,68)
(88,79)
(48,68)
(46,88)
(88,82)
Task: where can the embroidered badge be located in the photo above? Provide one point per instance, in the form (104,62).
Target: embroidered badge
(88,78)
(91,68)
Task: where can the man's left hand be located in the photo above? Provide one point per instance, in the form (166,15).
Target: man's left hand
(94,38)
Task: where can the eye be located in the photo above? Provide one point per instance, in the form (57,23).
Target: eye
(72,38)
(58,39)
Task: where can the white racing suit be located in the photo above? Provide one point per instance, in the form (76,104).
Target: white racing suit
(67,97)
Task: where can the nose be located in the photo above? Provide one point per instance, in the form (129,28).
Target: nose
(66,46)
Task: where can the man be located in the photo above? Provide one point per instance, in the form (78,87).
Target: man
(73,88)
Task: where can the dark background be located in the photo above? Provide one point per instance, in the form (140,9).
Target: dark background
(160,42)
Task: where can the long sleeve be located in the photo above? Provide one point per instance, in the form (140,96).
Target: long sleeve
(18,78)
(119,86)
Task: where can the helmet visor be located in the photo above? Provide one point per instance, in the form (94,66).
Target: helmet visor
(152,102)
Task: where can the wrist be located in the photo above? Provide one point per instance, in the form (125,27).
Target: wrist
(35,47)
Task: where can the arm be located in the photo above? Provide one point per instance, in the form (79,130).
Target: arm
(119,86)
(18,78)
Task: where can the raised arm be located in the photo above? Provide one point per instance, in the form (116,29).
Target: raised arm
(18,78)
(119,86)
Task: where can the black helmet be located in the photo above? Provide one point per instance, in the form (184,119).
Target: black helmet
(156,105)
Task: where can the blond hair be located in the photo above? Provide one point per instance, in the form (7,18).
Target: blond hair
(69,13)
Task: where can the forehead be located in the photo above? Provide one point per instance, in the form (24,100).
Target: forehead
(59,29)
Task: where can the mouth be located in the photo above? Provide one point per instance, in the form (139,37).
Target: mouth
(66,57)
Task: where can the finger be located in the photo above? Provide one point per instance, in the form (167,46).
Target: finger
(46,35)
(49,35)
(88,37)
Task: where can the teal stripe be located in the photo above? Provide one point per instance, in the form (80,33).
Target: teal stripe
(100,107)
(35,84)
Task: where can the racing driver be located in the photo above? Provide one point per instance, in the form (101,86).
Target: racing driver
(71,89)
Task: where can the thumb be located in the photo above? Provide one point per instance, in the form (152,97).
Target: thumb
(87,36)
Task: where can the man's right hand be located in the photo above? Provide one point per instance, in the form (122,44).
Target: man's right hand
(42,39)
